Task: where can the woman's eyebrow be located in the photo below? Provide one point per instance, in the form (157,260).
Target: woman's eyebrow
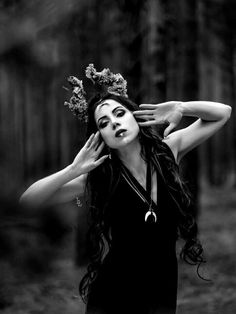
(112,111)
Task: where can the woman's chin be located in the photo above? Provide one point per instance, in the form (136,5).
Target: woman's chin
(125,142)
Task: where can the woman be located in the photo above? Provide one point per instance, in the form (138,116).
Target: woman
(138,203)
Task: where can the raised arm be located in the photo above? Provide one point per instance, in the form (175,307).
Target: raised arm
(212,116)
(64,185)
(60,187)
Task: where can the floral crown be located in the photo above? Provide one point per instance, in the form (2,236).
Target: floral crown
(115,84)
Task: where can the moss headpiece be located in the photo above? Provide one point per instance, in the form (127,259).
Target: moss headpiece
(115,84)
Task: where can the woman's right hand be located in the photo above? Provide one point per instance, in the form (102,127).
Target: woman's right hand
(86,160)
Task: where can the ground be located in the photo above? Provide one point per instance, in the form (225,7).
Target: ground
(55,290)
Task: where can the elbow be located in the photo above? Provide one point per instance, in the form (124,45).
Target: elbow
(27,201)
(24,200)
(228,111)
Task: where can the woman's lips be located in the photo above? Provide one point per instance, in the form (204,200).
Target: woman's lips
(120,133)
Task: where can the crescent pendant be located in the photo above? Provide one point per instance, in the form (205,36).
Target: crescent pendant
(150,212)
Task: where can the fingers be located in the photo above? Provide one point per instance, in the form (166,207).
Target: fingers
(100,160)
(169,129)
(141,112)
(95,140)
(100,148)
(93,145)
(147,123)
(92,141)
(89,141)
(153,106)
(146,117)
(147,106)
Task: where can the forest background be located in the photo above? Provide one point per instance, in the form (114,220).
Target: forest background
(167,50)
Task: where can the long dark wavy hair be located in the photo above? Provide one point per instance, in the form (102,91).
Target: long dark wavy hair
(109,172)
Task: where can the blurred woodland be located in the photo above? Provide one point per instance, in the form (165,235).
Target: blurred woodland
(167,50)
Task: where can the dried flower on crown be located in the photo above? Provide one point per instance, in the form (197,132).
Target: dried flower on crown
(77,103)
(115,82)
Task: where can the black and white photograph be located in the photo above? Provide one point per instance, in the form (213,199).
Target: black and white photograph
(118,157)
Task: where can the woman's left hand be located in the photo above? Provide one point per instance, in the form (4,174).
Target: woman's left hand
(169,111)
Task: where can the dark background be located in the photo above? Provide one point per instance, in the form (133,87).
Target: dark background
(167,50)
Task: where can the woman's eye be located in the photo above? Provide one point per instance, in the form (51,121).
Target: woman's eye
(102,125)
(120,113)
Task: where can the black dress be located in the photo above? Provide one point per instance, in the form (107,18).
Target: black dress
(139,274)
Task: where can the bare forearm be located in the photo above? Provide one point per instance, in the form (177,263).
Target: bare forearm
(43,189)
(65,184)
(206,110)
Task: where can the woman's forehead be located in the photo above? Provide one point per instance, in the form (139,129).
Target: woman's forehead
(106,106)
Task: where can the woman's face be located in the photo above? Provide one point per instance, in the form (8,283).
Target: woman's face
(116,124)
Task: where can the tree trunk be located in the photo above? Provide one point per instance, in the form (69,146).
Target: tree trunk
(154,53)
(182,73)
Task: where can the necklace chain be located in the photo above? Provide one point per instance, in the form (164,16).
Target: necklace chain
(150,211)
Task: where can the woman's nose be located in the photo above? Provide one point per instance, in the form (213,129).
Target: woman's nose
(114,124)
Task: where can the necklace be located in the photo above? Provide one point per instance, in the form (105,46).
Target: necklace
(150,214)
(146,197)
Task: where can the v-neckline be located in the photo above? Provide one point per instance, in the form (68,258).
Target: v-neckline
(141,189)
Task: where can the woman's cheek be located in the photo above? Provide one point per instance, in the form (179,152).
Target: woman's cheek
(106,138)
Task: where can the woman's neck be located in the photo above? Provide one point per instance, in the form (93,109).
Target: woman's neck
(131,156)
